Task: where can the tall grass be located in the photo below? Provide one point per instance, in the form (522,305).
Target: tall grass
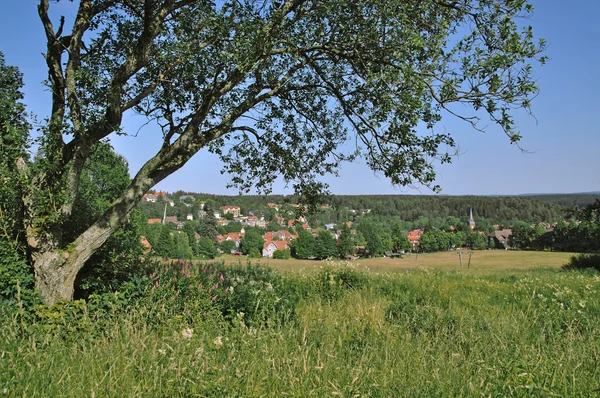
(348,334)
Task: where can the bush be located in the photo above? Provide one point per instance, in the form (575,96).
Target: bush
(332,282)
(584,261)
(259,295)
(282,254)
(254,253)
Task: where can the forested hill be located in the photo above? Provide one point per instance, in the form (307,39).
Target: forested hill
(498,209)
(579,200)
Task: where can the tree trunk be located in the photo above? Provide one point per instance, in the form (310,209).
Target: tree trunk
(56,270)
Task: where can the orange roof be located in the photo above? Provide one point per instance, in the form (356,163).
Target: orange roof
(281,234)
(229,207)
(154,221)
(279,244)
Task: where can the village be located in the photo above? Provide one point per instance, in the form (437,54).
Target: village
(281,229)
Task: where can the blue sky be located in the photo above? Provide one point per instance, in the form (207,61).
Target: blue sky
(563,140)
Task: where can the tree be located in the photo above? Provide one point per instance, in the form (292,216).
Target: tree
(207,225)
(345,243)
(325,245)
(272,88)
(207,248)
(251,240)
(227,246)
(15,272)
(304,245)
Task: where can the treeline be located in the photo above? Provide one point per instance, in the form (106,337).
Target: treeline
(407,208)
(571,200)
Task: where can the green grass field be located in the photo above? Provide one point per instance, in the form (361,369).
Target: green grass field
(482,262)
(513,324)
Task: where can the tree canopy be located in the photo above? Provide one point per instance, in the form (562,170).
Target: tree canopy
(275,88)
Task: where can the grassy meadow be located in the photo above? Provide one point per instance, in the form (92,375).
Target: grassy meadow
(513,324)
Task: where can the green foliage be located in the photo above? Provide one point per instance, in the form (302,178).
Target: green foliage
(259,295)
(282,254)
(371,231)
(181,246)
(115,263)
(584,261)
(324,246)
(16,277)
(254,253)
(434,240)
(345,244)
(207,249)
(332,282)
(227,246)
(188,344)
(304,245)
(252,240)
(207,225)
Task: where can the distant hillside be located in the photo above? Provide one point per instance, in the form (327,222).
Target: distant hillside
(570,200)
(495,209)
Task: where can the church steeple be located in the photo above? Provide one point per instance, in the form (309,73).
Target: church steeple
(471,219)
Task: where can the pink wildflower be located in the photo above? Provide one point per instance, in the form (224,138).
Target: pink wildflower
(221,277)
(214,298)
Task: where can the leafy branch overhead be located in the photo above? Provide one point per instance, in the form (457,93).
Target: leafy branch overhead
(275,88)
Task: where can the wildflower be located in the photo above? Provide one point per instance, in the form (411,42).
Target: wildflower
(231,289)
(214,298)
(217,285)
(221,278)
(187,333)
(162,351)
(582,304)
(218,342)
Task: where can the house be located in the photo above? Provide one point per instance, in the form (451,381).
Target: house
(189,217)
(499,239)
(414,236)
(170,202)
(236,237)
(270,247)
(251,221)
(201,213)
(279,235)
(235,210)
(273,206)
(261,223)
(223,222)
(329,226)
(154,221)
(171,219)
(153,196)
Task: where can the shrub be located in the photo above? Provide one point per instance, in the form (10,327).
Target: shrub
(254,253)
(259,295)
(332,282)
(282,254)
(584,261)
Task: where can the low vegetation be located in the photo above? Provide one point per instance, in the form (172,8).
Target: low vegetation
(210,329)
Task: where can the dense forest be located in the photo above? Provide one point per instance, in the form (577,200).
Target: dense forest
(571,200)
(407,208)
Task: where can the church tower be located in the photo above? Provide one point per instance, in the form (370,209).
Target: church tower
(471,219)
